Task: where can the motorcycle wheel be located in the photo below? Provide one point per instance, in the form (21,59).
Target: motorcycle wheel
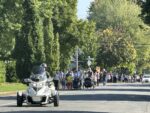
(56,100)
(19,100)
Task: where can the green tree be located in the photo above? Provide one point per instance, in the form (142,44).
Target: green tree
(143,50)
(29,47)
(2,72)
(46,13)
(64,14)
(56,54)
(85,35)
(11,72)
(72,32)
(122,16)
(143,59)
(48,42)
(146,11)
(9,24)
(115,49)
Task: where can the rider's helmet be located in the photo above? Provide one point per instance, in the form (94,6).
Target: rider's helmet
(44,65)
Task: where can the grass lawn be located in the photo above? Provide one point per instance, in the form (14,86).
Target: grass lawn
(5,87)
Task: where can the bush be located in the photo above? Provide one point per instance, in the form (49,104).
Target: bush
(11,75)
(2,72)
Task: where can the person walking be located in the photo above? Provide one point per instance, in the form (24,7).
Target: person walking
(97,74)
(62,80)
(56,80)
(69,79)
(104,77)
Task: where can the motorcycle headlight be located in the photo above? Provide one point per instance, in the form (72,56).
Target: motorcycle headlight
(40,85)
(34,84)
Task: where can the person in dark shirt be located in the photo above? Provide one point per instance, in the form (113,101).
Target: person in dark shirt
(104,77)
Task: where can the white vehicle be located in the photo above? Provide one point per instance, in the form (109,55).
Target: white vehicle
(40,90)
(146,78)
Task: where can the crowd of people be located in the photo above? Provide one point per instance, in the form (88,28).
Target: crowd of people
(73,79)
(67,80)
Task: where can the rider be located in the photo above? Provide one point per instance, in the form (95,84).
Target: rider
(44,65)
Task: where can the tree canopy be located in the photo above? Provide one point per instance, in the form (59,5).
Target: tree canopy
(120,30)
(116,34)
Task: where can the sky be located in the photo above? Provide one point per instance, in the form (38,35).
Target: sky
(82,8)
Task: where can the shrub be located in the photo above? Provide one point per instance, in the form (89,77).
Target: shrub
(11,75)
(2,72)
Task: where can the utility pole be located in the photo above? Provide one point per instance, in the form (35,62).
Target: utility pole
(77,55)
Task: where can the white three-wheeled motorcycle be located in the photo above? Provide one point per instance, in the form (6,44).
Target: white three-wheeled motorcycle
(40,89)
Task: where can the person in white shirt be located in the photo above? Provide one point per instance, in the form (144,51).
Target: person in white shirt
(56,80)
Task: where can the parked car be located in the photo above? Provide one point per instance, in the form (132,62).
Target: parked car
(146,78)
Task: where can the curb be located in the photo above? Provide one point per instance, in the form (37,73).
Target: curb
(8,93)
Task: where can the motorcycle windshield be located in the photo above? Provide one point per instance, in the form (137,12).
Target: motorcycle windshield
(38,74)
(38,70)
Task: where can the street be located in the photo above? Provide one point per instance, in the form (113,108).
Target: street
(113,98)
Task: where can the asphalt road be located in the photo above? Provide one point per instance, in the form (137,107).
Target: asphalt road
(113,98)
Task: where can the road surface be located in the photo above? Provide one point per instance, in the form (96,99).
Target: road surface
(113,98)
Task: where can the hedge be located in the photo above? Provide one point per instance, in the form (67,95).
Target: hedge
(2,72)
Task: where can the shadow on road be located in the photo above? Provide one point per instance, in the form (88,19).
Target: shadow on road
(8,98)
(123,89)
(97,97)
(53,112)
(105,97)
(130,85)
